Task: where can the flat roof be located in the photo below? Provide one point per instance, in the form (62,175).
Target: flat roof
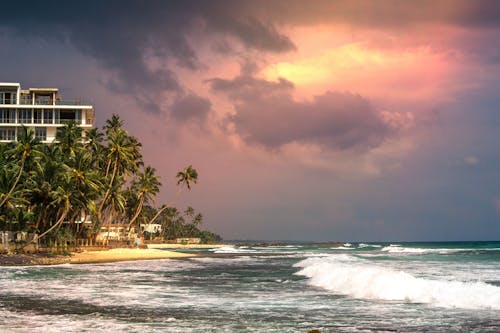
(43,89)
(9,84)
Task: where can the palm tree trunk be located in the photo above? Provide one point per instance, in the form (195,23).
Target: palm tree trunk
(107,168)
(136,215)
(57,224)
(99,212)
(15,183)
(168,205)
(60,221)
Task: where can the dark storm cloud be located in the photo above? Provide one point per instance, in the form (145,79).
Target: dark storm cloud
(118,34)
(255,34)
(266,114)
(247,88)
(190,108)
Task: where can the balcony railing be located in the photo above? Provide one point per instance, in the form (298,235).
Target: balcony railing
(13,101)
(8,101)
(72,102)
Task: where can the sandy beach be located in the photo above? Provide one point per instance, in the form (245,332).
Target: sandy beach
(187,246)
(123,254)
(88,257)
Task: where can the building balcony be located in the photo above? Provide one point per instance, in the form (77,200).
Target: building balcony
(72,102)
(26,102)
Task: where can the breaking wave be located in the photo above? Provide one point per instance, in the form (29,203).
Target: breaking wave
(346,275)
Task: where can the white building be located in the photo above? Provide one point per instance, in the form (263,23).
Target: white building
(41,109)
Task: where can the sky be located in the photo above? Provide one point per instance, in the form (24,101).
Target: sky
(306,120)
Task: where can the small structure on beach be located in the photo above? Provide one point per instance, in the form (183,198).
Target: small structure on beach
(188,240)
(116,232)
(120,232)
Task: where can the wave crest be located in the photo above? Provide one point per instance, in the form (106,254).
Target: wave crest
(350,276)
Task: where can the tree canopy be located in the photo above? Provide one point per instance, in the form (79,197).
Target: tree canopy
(97,176)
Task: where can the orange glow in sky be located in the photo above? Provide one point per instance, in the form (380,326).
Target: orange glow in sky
(325,63)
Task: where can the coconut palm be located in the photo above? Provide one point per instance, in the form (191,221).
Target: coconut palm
(94,144)
(25,148)
(146,186)
(184,178)
(47,173)
(69,138)
(187,176)
(48,188)
(61,201)
(116,202)
(87,183)
(124,157)
(113,124)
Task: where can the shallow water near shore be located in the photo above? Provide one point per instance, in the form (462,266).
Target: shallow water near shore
(372,287)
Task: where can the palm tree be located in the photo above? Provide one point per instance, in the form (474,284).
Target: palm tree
(15,203)
(48,188)
(113,124)
(185,177)
(146,186)
(124,156)
(69,138)
(94,144)
(46,176)
(87,183)
(25,147)
(62,202)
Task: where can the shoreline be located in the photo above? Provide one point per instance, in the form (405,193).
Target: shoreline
(186,246)
(104,256)
(124,254)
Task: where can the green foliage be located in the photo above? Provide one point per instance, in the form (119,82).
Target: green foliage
(47,189)
(176,224)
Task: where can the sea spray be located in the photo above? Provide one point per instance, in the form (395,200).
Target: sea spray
(261,292)
(346,275)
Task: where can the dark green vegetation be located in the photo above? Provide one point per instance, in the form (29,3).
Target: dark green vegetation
(100,178)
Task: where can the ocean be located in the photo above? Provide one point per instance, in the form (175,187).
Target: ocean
(357,287)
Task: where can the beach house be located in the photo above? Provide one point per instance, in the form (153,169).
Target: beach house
(41,109)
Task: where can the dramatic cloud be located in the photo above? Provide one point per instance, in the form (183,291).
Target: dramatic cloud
(267,114)
(190,108)
(122,34)
(381,116)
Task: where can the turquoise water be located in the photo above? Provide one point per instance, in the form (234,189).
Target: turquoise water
(372,287)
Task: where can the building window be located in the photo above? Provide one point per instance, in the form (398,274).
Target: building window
(26,99)
(38,116)
(68,116)
(41,133)
(24,116)
(78,117)
(7,98)
(7,116)
(56,117)
(7,133)
(47,117)
(43,99)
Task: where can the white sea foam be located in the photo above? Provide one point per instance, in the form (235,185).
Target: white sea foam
(363,245)
(233,249)
(357,278)
(342,248)
(415,250)
(399,249)
(226,261)
(347,244)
